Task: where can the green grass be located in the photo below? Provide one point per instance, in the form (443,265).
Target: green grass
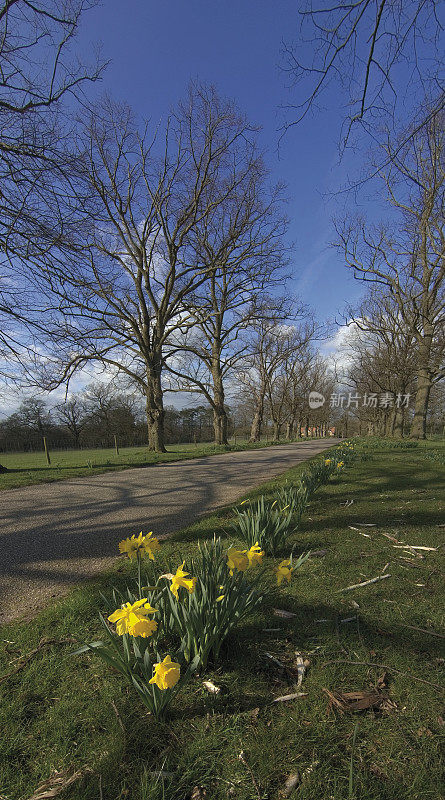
(60,712)
(30,468)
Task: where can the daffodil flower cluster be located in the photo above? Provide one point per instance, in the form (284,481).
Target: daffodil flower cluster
(132,618)
(139,545)
(241,560)
(197,610)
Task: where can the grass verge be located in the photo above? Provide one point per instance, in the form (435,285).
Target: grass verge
(62,713)
(25,469)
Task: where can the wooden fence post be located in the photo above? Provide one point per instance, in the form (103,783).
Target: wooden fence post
(48,460)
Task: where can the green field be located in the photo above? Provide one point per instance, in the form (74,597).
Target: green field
(28,468)
(64,713)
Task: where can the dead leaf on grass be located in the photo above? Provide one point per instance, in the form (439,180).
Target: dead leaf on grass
(291,783)
(363,700)
(57,783)
(198,793)
(211,687)
(280,612)
(378,772)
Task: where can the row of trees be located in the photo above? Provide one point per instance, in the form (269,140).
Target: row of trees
(93,419)
(161,253)
(102,416)
(401,348)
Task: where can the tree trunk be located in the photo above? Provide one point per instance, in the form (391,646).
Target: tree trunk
(418,427)
(155,414)
(220,421)
(276,431)
(255,431)
(289,427)
(220,425)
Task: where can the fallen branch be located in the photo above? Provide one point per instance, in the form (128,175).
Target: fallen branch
(24,660)
(365,583)
(422,630)
(242,758)
(351,527)
(413,547)
(285,697)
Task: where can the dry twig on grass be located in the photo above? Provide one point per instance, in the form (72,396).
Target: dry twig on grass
(24,660)
(365,583)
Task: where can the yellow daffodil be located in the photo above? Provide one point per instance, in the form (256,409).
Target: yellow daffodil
(180,579)
(340,464)
(255,555)
(237,559)
(284,571)
(327,462)
(151,544)
(167,673)
(139,545)
(132,619)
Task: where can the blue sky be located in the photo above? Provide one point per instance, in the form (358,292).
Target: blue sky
(155,48)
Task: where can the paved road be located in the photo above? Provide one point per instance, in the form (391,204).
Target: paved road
(53,536)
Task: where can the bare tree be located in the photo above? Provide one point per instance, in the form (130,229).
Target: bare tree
(125,300)
(38,74)
(378,52)
(381,364)
(278,350)
(71,414)
(410,258)
(239,245)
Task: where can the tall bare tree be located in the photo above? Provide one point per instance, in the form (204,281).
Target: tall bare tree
(382,365)
(125,293)
(409,256)
(270,374)
(240,246)
(39,76)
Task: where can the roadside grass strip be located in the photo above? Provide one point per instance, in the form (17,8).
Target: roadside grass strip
(243,658)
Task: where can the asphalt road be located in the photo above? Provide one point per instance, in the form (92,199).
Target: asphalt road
(55,535)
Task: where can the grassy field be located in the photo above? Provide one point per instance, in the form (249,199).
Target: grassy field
(25,469)
(58,712)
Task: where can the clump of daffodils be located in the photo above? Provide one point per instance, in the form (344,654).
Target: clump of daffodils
(241,560)
(132,618)
(135,546)
(264,524)
(196,611)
